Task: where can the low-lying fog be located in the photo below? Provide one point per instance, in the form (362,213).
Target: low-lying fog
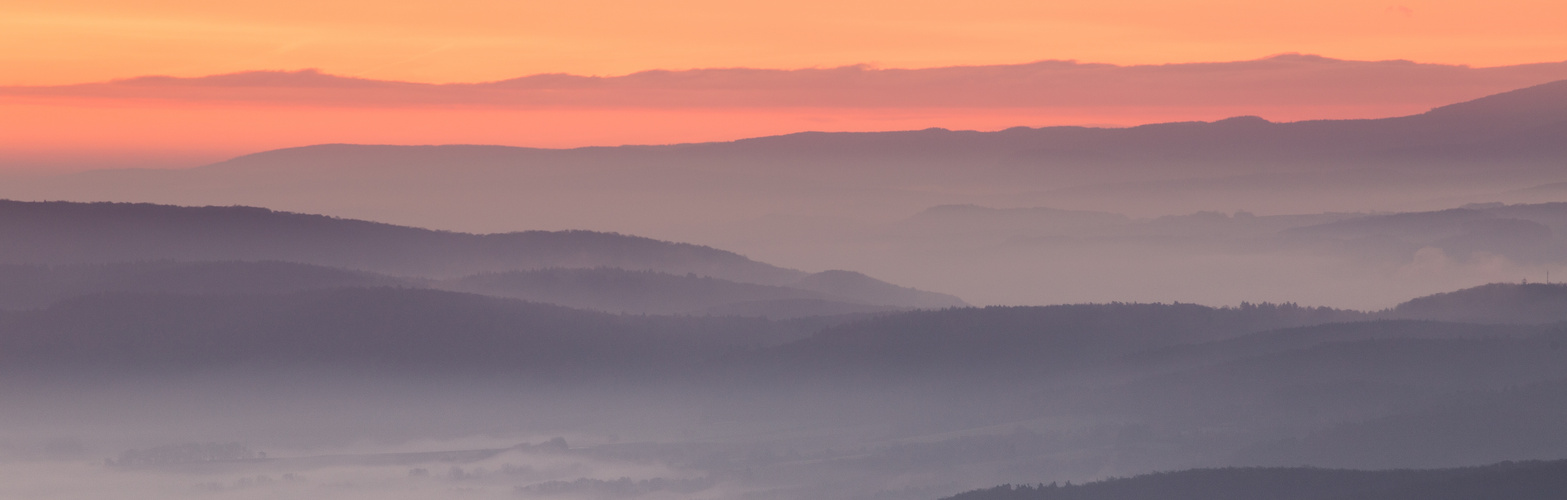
(222,401)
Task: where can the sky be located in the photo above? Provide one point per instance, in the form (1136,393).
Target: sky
(68,42)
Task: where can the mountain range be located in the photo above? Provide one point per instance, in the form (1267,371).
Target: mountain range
(1276,83)
(859,200)
(1483,147)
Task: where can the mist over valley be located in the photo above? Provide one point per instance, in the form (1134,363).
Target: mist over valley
(1228,309)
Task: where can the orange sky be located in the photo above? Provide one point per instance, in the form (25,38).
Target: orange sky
(64,42)
(50,42)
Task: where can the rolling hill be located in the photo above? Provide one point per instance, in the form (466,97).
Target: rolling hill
(74,233)
(54,249)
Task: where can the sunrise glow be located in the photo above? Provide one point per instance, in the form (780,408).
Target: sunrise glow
(47,45)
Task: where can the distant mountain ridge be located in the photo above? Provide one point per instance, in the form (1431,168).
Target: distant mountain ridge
(1523,124)
(1048,83)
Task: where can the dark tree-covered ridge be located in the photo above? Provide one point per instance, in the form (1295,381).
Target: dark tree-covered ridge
(1535,480)
(1505,303)
(1042,337)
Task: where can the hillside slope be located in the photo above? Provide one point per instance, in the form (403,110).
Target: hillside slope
(73,233)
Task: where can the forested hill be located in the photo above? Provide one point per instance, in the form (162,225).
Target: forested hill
(1533,480)
(1512,303)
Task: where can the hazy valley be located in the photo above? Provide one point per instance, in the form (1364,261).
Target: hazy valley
(164,349)
(1203,309)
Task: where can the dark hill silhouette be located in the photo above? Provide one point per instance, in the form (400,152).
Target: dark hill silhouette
(384,328)
(1494,303)
(1534,480)
(74,233)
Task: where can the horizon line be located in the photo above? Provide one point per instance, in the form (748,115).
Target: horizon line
(863,66)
